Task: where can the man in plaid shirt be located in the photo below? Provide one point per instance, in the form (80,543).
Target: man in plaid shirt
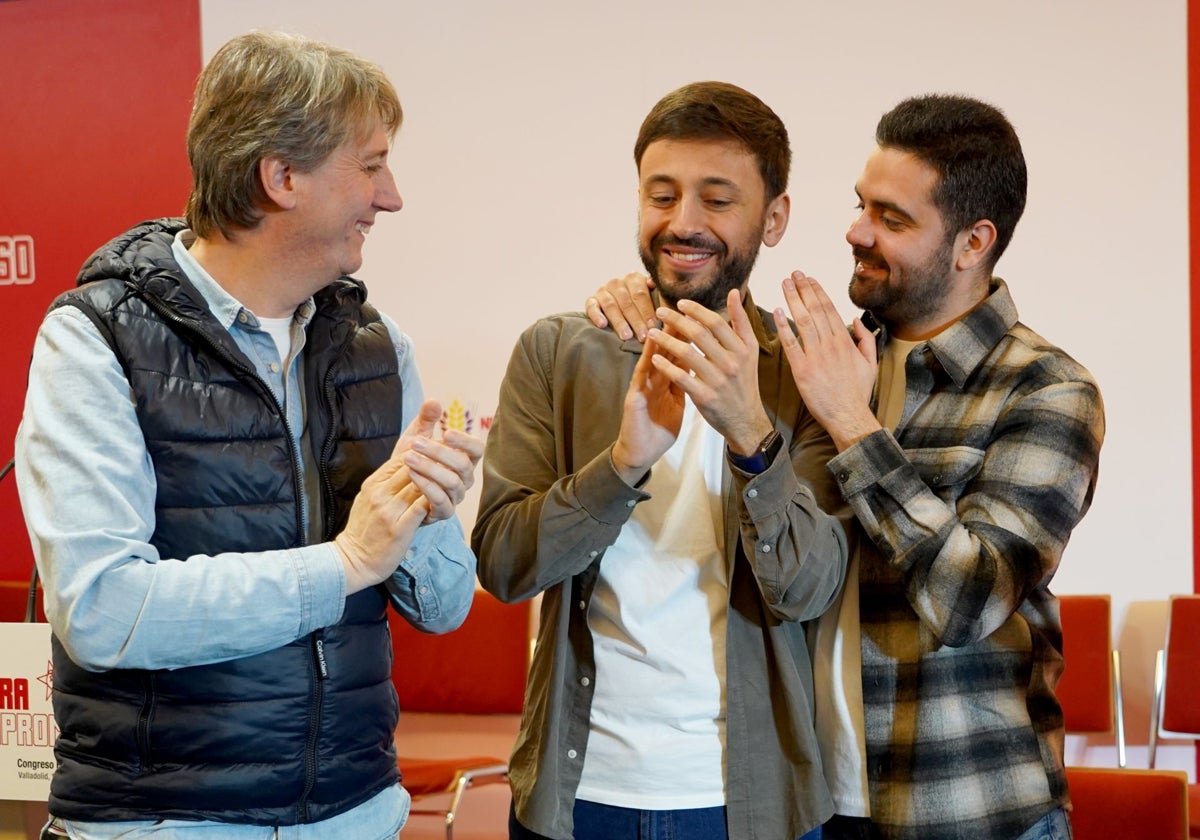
(968,447)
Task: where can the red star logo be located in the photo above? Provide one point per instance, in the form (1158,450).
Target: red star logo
(47,679)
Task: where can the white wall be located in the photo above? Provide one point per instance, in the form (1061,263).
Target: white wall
(515,163)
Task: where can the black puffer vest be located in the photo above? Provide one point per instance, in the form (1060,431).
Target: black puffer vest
(294,735)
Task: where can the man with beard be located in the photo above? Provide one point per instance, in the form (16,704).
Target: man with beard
(968,448)
(667,501)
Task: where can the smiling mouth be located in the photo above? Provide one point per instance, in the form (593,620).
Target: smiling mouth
(362,227)
(684,261)
(863,266)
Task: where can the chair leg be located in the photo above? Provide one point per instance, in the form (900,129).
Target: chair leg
(1160,662)
(1118,708)
(464,780)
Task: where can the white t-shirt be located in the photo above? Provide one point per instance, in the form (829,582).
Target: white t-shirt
(657,616)
(280,330)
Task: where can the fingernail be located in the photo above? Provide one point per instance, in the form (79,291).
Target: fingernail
(626,335)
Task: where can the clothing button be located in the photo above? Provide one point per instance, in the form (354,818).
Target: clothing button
(424,590)
(242,318)
(593,554)
(843,476)
(753,494)
(583,605)
(631,503)
(766,548)
(585,682)
(571,753)
(274,367)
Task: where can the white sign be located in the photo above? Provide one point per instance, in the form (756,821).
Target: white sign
(27,727)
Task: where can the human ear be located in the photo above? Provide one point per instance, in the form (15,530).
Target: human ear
(275,175)
(775,220)
(974,245)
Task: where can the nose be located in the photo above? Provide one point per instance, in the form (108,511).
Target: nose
(387,197)
(687,218)
(859,232)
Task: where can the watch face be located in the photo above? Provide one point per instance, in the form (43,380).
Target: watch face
(772,445)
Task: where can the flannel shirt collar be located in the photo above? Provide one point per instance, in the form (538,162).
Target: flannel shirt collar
(963,346)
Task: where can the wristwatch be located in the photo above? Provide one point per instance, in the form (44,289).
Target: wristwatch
(761,458)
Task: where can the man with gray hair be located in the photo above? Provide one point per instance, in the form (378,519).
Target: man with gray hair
(228,472)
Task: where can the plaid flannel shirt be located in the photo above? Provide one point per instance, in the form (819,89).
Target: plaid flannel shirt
(968,509)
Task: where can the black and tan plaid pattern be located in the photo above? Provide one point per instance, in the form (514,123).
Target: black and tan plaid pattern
(968,508)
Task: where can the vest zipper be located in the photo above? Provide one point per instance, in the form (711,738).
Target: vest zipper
(320,672)
(327,391)
(143,724)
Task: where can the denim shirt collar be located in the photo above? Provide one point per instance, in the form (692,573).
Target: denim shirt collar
(227,309)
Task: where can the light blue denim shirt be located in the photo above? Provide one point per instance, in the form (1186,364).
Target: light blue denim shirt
(87,490)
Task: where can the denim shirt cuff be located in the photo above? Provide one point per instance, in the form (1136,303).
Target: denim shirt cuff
(322,585)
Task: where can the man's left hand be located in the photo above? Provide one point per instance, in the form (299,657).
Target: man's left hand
(443,470)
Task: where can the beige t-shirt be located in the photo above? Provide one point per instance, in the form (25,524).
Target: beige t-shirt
(837,656)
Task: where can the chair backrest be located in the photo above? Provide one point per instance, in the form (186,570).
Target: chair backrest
(1110,803)
(480,668)
(1085,690)
(1181,686)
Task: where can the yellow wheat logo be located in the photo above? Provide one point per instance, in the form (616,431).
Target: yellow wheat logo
(456,417)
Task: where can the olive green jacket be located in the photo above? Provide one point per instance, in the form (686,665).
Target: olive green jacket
(551,505)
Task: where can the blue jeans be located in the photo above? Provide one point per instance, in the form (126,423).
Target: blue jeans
(1053,826)
(608,822)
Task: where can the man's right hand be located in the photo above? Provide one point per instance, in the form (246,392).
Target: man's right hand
(624,303)
(650,419)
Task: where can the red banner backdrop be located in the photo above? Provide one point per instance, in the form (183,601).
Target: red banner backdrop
(95,104)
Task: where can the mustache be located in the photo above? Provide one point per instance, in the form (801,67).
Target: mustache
(869,256)
(700,242)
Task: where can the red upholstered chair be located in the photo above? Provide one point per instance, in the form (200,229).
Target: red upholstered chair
(1090,688)
(1110,803)
(478,669)
(1175,712)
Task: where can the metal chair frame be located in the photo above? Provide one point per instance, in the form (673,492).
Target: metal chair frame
(463,780)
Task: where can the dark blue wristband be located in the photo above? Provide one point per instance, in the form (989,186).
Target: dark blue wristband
(761,458)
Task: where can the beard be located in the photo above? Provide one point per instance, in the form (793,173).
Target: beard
(731,271)
(909,293)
